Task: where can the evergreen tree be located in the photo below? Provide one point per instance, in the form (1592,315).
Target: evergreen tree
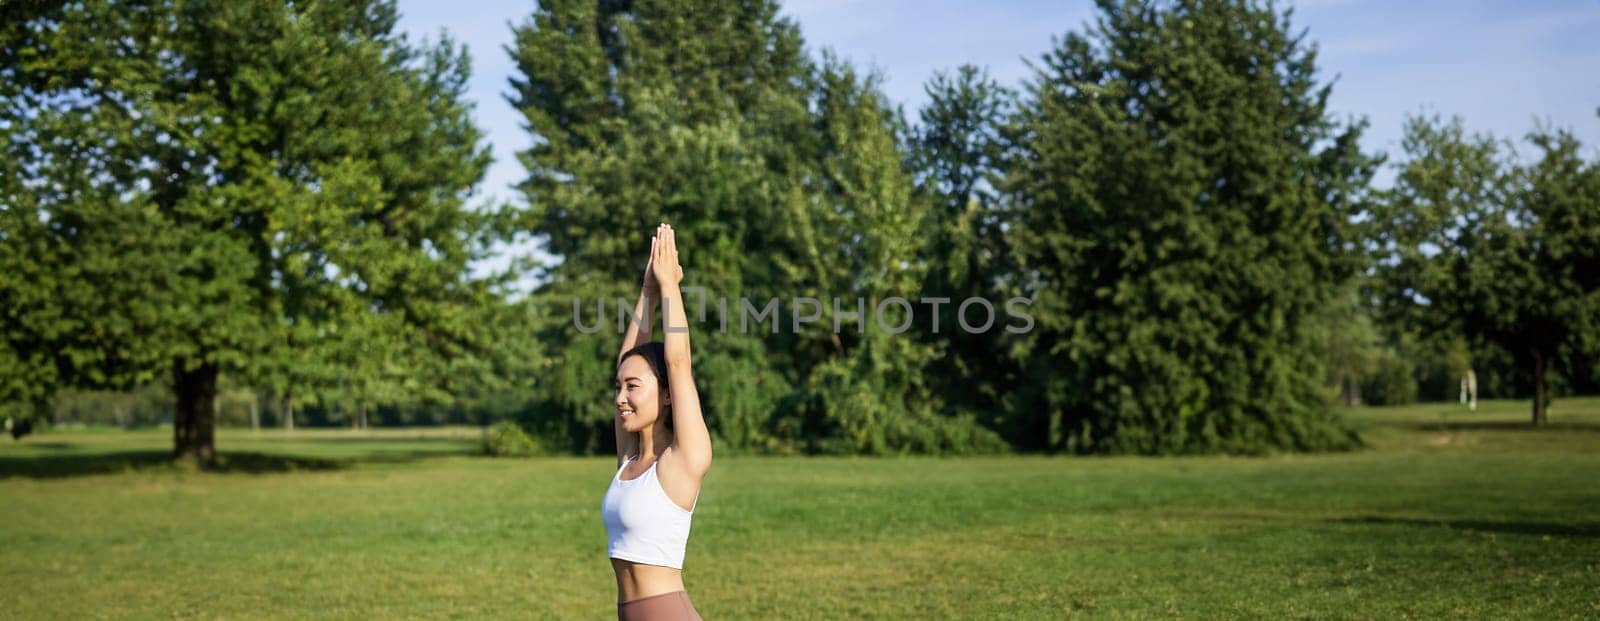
(958,151)
(643,112)
(875,390)
(1183,202)
(785,179)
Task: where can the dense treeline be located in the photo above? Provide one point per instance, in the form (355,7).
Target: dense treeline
(1178,247)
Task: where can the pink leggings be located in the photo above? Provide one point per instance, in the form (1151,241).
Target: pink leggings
(672,606)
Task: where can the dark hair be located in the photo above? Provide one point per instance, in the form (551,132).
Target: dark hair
(655,355)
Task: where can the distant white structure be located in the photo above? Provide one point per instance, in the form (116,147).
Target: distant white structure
(1469,390)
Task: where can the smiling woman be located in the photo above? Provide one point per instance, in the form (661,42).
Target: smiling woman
(663,451)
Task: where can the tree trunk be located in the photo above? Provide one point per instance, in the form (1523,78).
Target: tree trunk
(255,414)
(1541,390)
(363,415)
(194,420)
(1351,388)
(288,411)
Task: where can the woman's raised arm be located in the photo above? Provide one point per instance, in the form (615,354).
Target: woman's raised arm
(638,334)
(639,331)
(688,424)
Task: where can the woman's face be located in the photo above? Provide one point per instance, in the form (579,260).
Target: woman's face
(639,396)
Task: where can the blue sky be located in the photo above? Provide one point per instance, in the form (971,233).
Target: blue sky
(1501,66)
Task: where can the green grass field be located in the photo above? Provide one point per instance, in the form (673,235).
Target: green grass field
(1446,514)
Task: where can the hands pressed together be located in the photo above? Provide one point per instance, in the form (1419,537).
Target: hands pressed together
(662,272)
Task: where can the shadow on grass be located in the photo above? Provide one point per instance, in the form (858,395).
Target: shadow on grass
(231,462)
(1506,426)
(462,439)
(1518,528)
(54,446)
(1554,529)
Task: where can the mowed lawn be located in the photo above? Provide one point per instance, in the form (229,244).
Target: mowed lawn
(1446,514)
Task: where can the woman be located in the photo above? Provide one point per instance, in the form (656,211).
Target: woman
(663,450)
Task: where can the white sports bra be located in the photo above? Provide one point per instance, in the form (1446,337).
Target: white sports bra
(644,525)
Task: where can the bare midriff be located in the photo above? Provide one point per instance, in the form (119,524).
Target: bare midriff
(637,580)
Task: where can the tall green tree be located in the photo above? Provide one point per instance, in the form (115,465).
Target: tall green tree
(207,187)
(875,388)
(958,152)
(785,177)
(686,112)
(1183,203)
(1349,345)
(1505,255)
